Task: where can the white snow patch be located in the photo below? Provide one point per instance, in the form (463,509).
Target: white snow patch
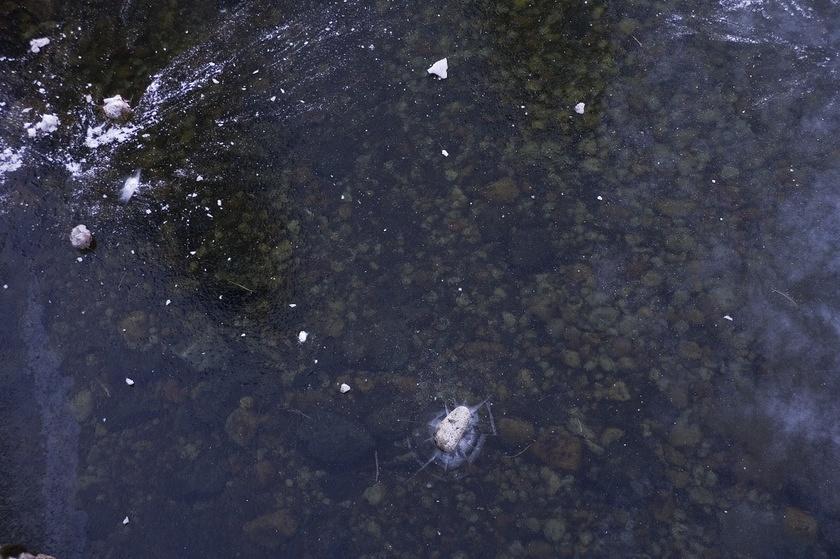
(9,161)
(47,125)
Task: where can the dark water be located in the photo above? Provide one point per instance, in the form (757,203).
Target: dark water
(646,292)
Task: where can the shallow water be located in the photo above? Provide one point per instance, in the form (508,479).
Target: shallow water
(645,292)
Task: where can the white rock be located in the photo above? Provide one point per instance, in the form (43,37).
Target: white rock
(302,335)
(580,107)
(35,45)
(451,428)
(129,381)
(81,237)
(132,184)
(444,153)
(727,317)
(125,521)
(116,107)
(344,388)
(439,68)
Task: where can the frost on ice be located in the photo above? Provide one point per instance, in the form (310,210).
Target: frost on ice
(9,161)
(35,45)
(439,68)
(98,135)
(132,184)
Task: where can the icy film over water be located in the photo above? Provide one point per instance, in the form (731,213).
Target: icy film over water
(305,233)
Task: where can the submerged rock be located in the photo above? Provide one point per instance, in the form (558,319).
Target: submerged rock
(515,432)
(81,237)
(530,251)
(271,530)
(558,449)
(241,425)
(334,439)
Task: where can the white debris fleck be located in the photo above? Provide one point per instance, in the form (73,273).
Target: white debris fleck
(727,317)
(599,197)
(129,381)
(168,302)
(439,68)
(292,305)
(5,286)
(444,152)
(132,184)
(302,335)
(35,45)
(580,107)
(273,98)
(81,237)
(116,107)
(125,521)
(344,388)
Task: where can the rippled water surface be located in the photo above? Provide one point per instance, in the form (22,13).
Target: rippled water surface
(645,292)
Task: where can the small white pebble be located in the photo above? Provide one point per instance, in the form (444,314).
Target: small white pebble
(580,107)
(727,317)
(445,153)
(600,197)
(129,382)
(168,301)
(125,521)
(79,259)
(302,335)
(5,286)
(292,305)
(344,388)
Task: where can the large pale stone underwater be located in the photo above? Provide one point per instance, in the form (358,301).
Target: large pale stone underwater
(574,292)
